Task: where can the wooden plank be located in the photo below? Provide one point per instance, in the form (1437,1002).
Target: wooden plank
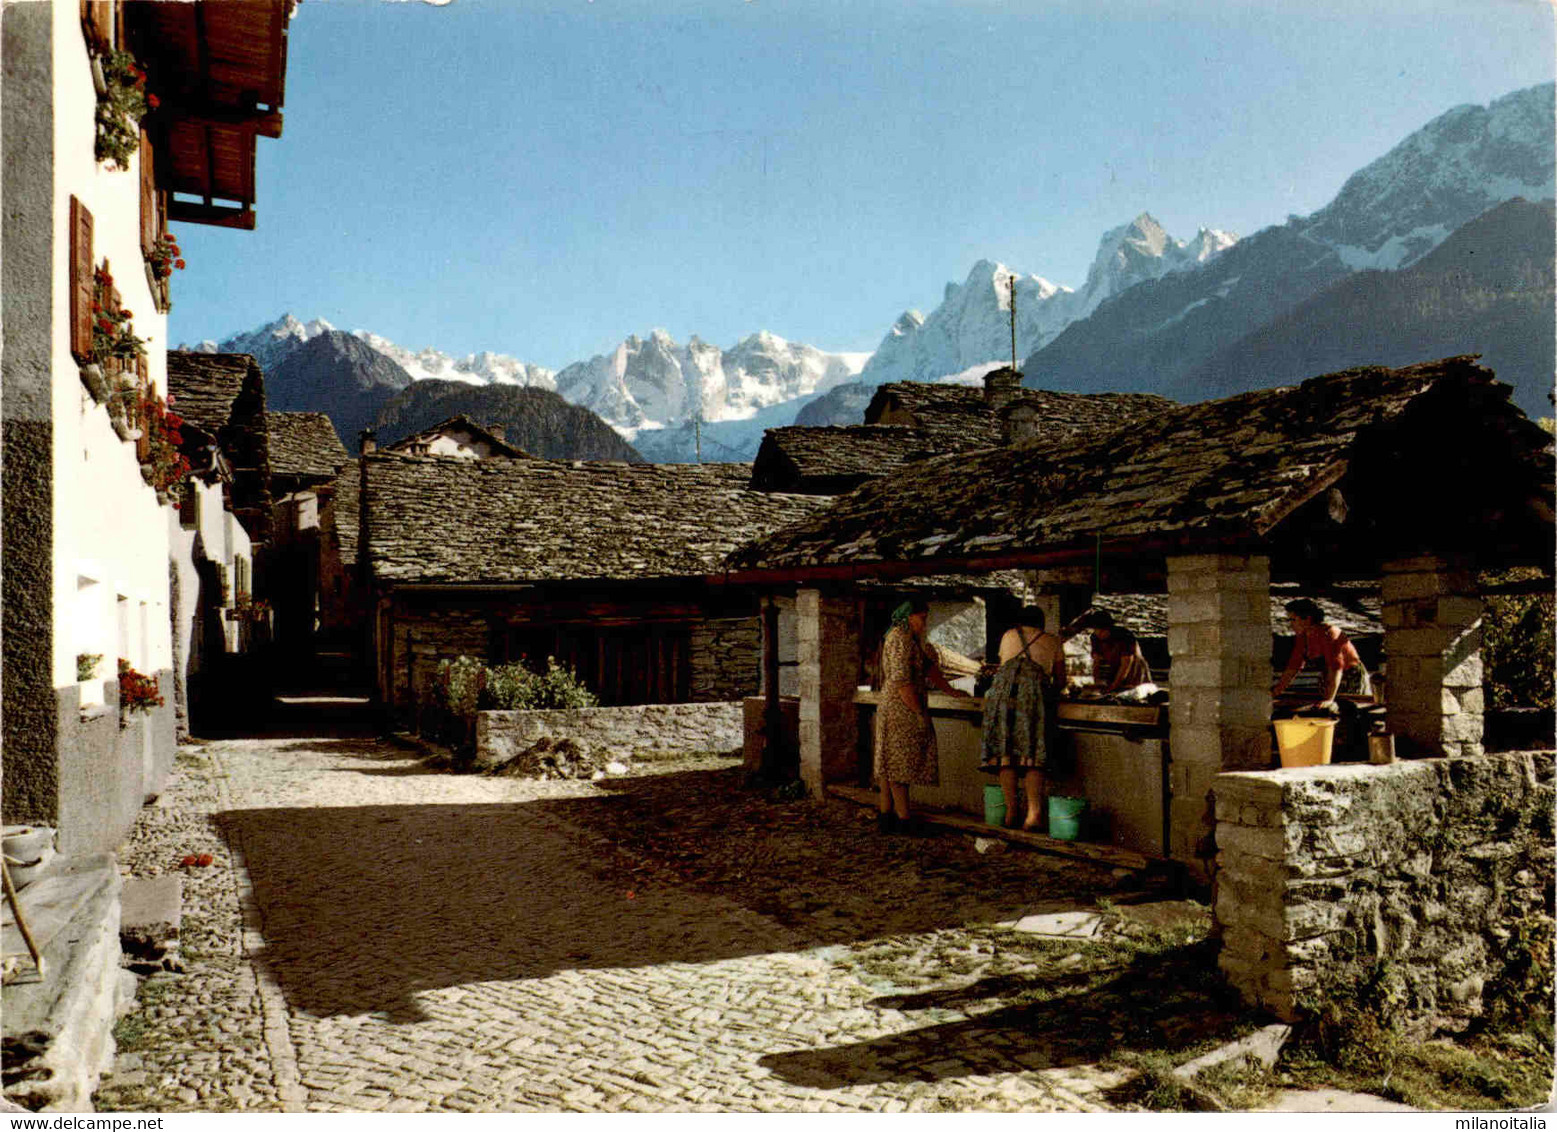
(1136,715)
(1081,850)
(187,212)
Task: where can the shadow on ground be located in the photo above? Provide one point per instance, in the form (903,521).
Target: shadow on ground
(363,907)
(1161,1003)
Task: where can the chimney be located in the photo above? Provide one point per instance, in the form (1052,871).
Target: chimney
(1018,421)
(1000,387)
(366,441)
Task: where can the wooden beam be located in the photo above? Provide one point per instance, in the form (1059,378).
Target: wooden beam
(218,216)
(265,123)
(1144,547)
(1109,855)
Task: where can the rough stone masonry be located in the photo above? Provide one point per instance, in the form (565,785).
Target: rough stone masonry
(1417,871)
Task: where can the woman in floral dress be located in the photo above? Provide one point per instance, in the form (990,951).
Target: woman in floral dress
(905,738)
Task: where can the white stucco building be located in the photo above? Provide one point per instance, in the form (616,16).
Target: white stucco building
(90,481)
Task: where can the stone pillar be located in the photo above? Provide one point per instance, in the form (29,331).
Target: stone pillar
(829,661)
(1219,712)
(1432,641)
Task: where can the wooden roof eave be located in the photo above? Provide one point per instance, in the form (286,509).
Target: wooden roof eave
(1153,548)
(1320,481)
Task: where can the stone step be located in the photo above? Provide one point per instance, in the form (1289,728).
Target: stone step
(58,1030)
(150,916)
(50,902)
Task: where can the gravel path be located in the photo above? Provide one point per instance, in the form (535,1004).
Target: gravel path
(374,936)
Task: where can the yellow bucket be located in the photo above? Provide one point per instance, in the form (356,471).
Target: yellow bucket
(1305,742)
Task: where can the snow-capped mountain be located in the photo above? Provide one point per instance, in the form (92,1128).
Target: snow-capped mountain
(270,344)
(1139,251)
(971,330)
(1388,215)
(484,368)
(1394,211)
(653,382)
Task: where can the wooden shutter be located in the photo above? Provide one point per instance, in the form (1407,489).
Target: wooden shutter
(80,281)
(149,225)
(142,380)
(98,21)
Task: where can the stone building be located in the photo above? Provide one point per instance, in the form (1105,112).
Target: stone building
(613,569)
(86,290)
(457,436)
(908,421)
(1349,476)
(1409,480)
(306,458)
(93,548)
(224,532)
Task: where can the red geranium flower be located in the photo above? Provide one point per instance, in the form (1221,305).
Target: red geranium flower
(178,263)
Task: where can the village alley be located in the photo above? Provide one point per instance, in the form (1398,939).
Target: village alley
(376,935)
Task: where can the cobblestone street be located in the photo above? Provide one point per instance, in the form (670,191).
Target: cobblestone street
(374,935)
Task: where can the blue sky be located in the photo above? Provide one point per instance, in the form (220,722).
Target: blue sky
(542,178)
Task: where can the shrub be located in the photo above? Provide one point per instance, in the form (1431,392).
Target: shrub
(86,665)
(516,687)
(465,686)
(1517,648)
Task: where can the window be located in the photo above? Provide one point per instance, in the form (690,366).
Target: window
(91,637)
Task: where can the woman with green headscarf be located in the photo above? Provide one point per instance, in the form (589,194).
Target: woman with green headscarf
(905,738)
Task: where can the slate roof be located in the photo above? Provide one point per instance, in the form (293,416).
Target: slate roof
(347,515)
(952,418)
(458,421)
(223,396)
(832,459)
(1187,475)
(304,446)
(440,519)
(958,418)
(206,387)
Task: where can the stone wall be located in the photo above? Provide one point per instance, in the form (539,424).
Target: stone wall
(726,659)
(644,731)
(1415,872)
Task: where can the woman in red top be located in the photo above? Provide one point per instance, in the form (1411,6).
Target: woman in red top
(1318,641)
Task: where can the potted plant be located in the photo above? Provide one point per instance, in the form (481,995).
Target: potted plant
(137,693)
(86,666)
(122,104)
(163,465)
(164,257)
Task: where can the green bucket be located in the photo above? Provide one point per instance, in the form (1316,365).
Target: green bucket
(994,806)
(1065,815)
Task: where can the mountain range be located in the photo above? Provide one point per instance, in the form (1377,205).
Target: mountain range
(1358,282)
(534,420)
(1154,336)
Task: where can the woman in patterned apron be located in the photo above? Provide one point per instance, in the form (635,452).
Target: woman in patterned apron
(905,739)
(1017,710)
